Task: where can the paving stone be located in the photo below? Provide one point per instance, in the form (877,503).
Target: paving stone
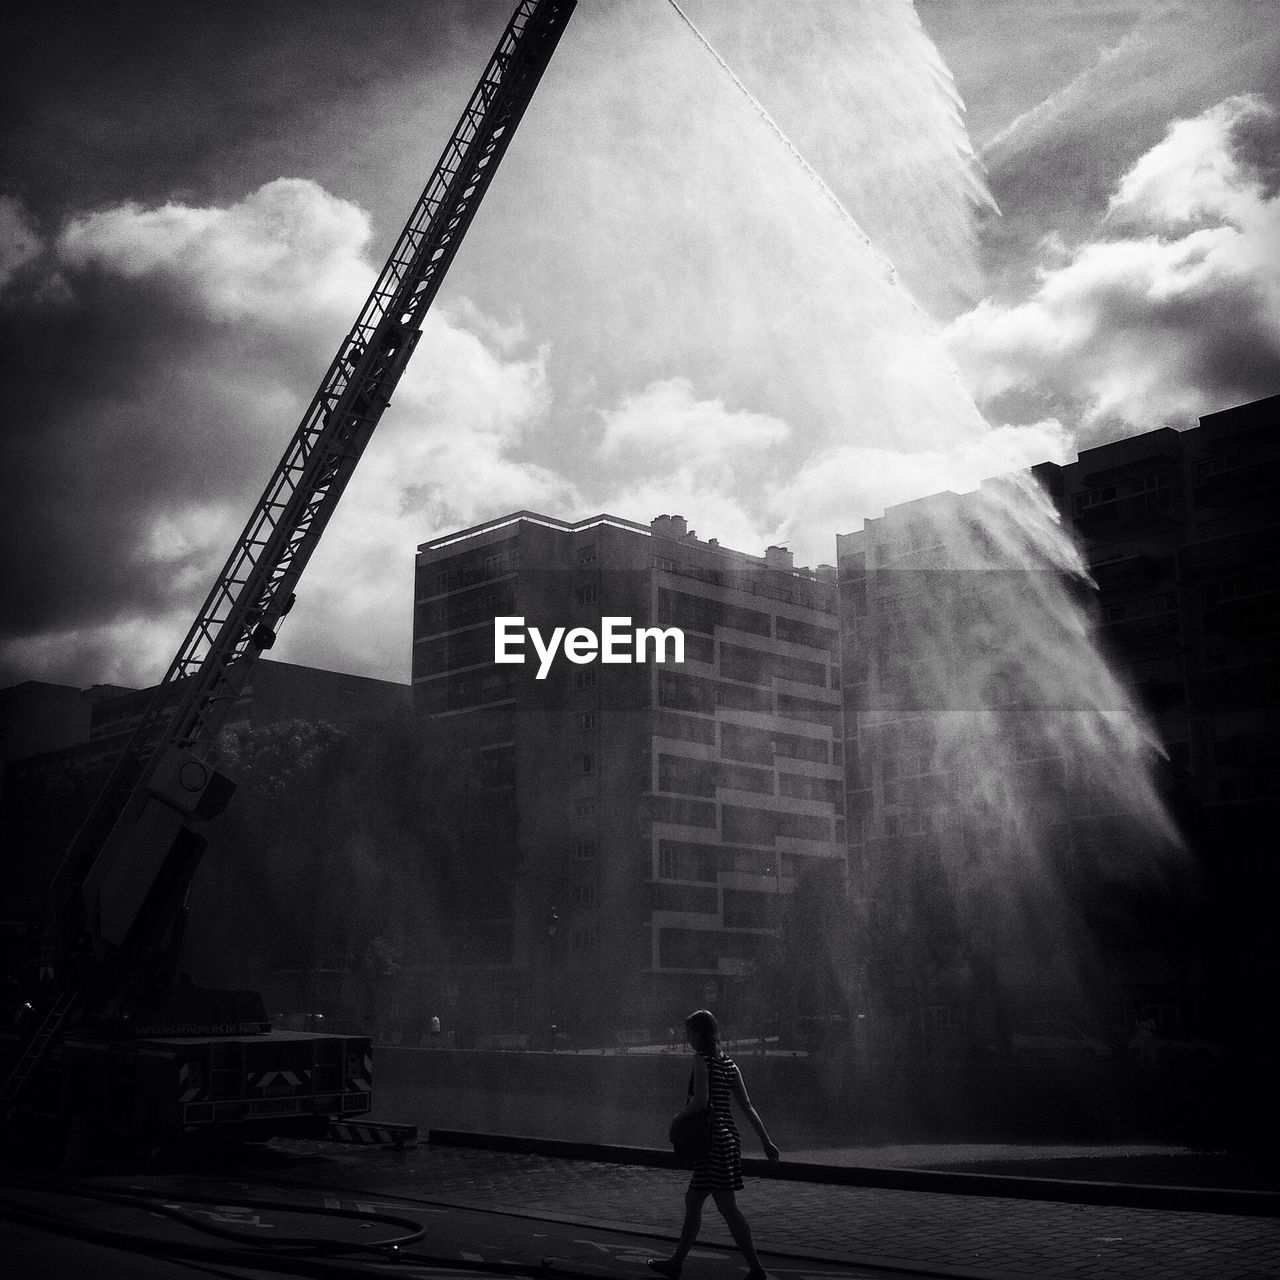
(998,1236)
(987,1234)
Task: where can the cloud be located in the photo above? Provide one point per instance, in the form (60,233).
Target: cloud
(665,427)
(188,340)
(1198,174)
(656,308)
(837,490)
(679,237)
(208,328)
(443,458)
(1172,308)
(19,241)
(721,468)
(282,255)
(664,449)
(131,652)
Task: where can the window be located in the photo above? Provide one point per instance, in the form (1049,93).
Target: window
(803,787)
(797,746)
(666,563)
(584,679)
(805,633)
(1152,500)
(699,648)
(744,698)
(586,720)
(670,724)
(740,778)
(762,826)
(584,895)
(793,708)
(1094,498)
(685,692)
(587,554)
(751,666)
(693,613)
(1230,589)
(683,812)
(585,595)
(584,939)
(686,776)
(755,746)
(1216,466)
(686,898)
(584,809)
(584,850)
(584,763)
(678,860)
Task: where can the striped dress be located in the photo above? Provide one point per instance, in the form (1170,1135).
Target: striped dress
(722,1169)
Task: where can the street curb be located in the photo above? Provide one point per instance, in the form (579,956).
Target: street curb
(1129,1195)
(792,1253)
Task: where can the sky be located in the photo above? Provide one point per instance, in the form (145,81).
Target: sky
(774,267)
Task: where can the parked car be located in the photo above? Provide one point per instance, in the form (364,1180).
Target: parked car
(1057,1040)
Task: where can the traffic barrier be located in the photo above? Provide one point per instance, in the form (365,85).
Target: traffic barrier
(367,1134)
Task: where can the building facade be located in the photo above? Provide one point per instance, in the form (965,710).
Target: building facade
(1182,535)
(658,810)
(1179,533)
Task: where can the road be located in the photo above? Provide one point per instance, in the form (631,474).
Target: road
(122,1235)
(490,1212)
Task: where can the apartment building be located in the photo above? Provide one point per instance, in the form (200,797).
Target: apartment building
(659,810)
(1179,532)
(1182,534)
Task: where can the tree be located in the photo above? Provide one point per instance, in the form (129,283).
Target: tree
(366,851)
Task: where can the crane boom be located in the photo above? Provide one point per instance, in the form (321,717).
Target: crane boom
(164,778)
(255,588)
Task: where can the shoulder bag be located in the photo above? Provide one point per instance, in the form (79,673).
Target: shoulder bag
(690,1136)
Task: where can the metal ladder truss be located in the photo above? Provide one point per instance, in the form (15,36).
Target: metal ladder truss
(256,586)
(37,1047)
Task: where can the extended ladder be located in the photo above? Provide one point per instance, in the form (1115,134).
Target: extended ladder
(255,588)
(37,1047)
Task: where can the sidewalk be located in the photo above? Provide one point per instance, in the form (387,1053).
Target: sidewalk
(974,1236)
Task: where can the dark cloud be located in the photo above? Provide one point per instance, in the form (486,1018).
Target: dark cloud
(102,435)
(140,99)
(154,376)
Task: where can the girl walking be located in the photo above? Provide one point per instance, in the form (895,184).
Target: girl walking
(716,1080)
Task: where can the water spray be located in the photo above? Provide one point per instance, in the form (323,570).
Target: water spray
(890,271)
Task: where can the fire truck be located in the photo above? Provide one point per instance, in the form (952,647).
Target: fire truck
(103,1030)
